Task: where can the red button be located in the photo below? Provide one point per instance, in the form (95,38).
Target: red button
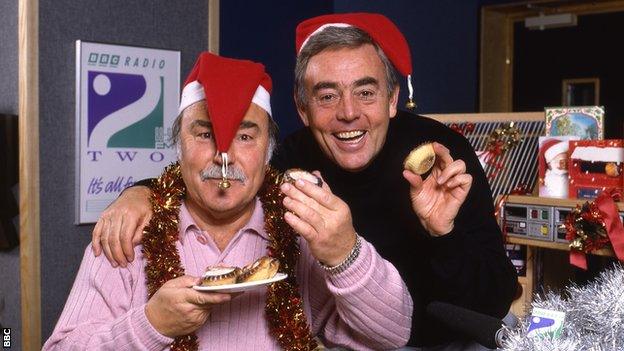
(533,213)
(201,239)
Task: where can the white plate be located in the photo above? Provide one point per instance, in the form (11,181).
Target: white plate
(230,288)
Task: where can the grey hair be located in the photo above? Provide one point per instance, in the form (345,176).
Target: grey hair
(177,128)
(333,38)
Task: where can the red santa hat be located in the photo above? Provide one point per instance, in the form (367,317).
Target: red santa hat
(383,32)
(548,150)
(229,86)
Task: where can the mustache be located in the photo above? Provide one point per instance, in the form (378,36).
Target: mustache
(214,172)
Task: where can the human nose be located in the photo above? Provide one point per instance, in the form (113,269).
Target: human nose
(348,109)
(219,157)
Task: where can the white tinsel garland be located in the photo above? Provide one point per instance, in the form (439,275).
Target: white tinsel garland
(594,319)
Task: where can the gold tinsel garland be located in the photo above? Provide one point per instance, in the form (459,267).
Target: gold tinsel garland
(498,142)
(284,306)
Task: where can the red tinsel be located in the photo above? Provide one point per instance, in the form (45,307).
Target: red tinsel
(284,305)
(159,238)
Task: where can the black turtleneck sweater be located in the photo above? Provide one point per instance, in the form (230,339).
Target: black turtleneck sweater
(467,267)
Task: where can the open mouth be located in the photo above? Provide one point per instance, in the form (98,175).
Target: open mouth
(352,136)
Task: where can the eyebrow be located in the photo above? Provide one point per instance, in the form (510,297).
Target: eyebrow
(208,124)
(366,81)
(248,125)
(201,123)
(332,85)
(324,85)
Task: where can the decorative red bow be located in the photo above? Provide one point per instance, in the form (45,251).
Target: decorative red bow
(595,225)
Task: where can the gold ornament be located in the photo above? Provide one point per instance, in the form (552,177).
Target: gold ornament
(611,169)
(410,104)
(505,137)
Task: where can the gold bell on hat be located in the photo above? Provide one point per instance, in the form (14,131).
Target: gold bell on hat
(410,104)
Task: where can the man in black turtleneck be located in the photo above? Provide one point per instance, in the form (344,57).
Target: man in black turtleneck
(438,230)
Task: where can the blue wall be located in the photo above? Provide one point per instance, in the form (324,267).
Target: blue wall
(443,36)
(264,31)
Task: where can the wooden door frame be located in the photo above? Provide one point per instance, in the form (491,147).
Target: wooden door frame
(28,115)
(496,51)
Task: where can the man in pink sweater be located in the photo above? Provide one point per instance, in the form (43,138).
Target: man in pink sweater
(341,291)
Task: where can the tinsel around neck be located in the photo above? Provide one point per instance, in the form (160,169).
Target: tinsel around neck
(284,306)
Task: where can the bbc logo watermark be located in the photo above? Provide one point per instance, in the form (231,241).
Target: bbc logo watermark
(6,338)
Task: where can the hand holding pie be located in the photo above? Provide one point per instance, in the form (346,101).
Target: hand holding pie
(437,198)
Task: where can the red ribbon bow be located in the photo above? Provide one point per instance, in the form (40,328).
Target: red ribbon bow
(605,202)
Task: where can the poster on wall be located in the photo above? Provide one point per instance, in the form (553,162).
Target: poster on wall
(126,101)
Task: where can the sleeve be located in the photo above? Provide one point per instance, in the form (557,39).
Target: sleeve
(147,182)
(470,265)
(367,306)
(99,315)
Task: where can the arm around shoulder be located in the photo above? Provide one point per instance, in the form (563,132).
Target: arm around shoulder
(120,227)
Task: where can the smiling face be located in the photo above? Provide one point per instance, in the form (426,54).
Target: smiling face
(348,105)
(559,163)
(200,163)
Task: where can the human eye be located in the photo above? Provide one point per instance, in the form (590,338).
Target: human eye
(206,135)
(366,94)
(245,137)
(328,99)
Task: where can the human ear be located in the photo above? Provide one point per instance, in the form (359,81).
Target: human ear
(394,98)
(302,111)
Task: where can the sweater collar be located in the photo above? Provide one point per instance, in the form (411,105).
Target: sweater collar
(255,224)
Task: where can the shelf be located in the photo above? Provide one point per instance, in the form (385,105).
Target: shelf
(553,245)
(548,201)
(553,202)
(528,281)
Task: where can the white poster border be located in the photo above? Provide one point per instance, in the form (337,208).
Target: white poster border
(137,85)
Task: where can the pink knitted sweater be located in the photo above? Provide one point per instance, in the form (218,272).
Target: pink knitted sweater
(365,307)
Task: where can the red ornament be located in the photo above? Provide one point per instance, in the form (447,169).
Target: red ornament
(593,226)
